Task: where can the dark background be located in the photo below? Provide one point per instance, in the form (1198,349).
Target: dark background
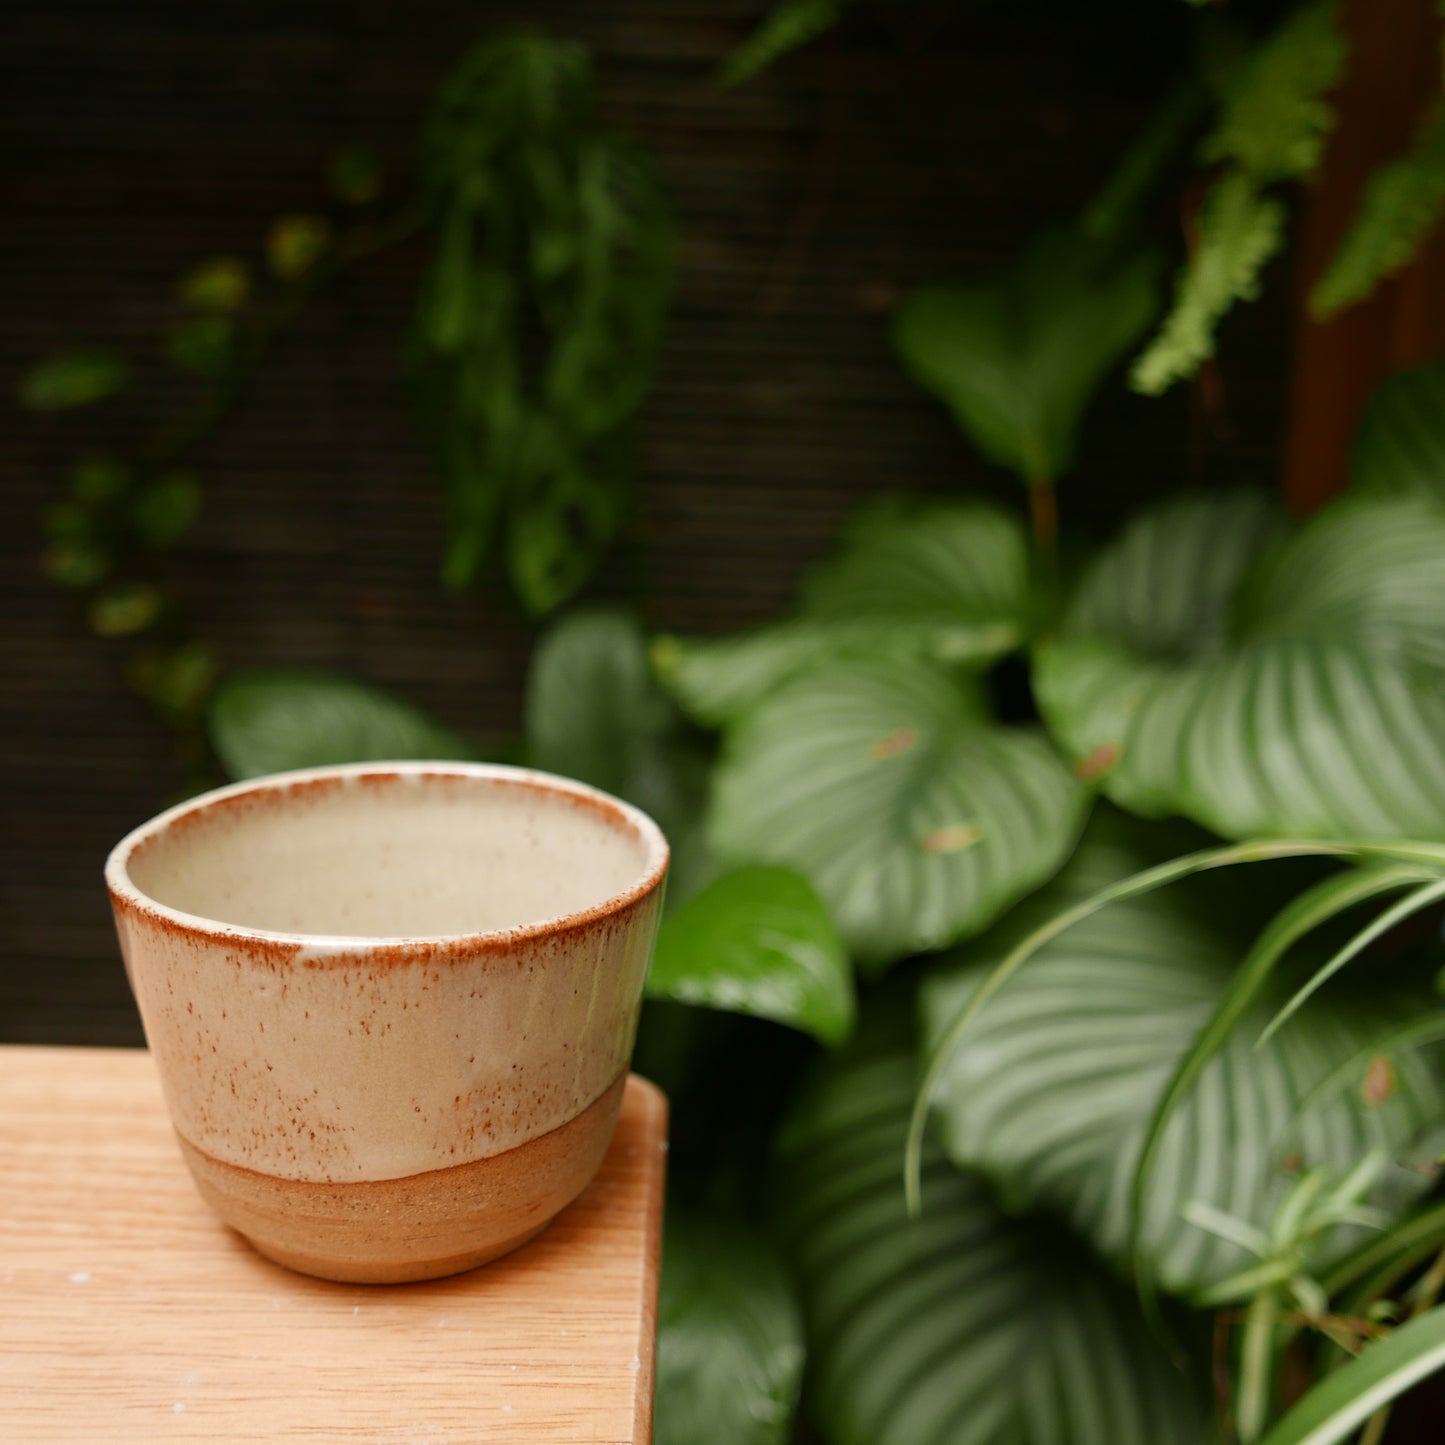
(913,144)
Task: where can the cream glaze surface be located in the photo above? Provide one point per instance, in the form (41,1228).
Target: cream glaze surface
(514,913)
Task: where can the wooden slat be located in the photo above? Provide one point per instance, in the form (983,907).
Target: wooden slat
(128,1312)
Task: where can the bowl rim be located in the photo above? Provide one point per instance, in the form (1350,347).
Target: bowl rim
(127,897)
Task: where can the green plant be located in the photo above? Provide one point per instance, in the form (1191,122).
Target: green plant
(1193,1090)
(539,319)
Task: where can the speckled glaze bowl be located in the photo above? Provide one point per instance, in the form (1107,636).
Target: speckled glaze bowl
(392,1005)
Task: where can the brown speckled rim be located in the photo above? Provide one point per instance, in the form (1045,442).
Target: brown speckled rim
(128,898)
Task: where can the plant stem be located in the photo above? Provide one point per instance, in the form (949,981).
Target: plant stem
(1256,1360)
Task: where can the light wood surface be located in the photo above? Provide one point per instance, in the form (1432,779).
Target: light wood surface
(127,1312)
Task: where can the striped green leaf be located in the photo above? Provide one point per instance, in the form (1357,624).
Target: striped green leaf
(1400,446)
(886,785)
(949,581)
(758,941)
(275,719)
(964,1326)
(1056,1088)
(1317,708)
(729,1340)
(1344,1400)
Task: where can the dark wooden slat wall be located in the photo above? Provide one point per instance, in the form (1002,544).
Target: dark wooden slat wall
(916,144)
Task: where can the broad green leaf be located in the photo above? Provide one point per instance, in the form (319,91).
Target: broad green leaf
(1340,1403)
(1053,1092)
(964,1326)
(1321,712)
(1400,446)
(273,720)
(75,378)
(790,25)
(593,712)
(1400,207)
(1018,357)
(1239,231)
(758,941)
(729,1340)
(950,581)
(885,784)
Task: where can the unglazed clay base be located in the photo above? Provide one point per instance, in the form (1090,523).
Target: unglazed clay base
(392,1231)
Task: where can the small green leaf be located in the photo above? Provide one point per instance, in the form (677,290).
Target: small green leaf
(966,1326)
(275,720)
(77,563)
(202,344)
(354,175)
(758,941)
(729,1339)
(1018,357)
(75,378)
(164,511)
(97,481)
(175,680)
(220,284)
(1400,446)
(790,25)
(1340,1403)
(884,783)
(123,610)
(294,244)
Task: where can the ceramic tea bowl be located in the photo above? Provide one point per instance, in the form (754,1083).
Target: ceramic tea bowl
(393,1004)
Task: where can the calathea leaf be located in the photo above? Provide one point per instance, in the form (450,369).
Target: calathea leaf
(276,719)
(948,581)
(964,1326)
(593,712)
(758,941)
(1400,446)
(1017,358)
(1053,1089)
(884,782)
(730,1337)
(1321,712)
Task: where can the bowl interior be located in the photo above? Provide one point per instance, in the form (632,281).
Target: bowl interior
(403,854)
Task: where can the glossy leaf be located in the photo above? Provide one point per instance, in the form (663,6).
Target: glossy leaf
(730,1337)
(1321,713)
(1018,357)
(1400,446)
(964,1326)
(1340,1403)
(758,941)
(1056,1087)
(885,784)
(950,581)
(75,378)
(593,712)
(276,719)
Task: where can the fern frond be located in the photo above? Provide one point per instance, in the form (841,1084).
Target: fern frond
(1275,115)
(1400,207)
(791,25)
(1239,230)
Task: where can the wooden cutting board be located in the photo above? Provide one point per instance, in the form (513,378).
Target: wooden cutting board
(128,1312)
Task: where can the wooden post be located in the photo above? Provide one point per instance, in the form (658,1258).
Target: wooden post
(1394,71)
